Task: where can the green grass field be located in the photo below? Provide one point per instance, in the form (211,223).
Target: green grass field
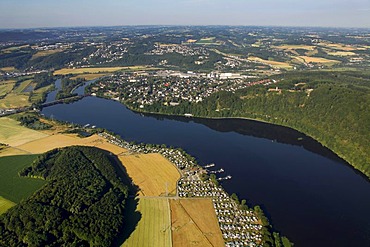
(14,100)
(6,88)
(22,86)
(5,205)
(13,187)
(154,227)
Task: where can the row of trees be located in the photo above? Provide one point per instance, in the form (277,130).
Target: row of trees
(81,204)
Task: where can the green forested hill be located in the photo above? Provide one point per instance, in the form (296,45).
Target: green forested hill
(80,205)
(332,107)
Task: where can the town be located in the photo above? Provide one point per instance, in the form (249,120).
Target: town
(168,87)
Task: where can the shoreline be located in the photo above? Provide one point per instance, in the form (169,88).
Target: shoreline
(340,156)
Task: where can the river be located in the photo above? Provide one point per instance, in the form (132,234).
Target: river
(309,194)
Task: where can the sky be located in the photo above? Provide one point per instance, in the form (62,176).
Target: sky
(63,13)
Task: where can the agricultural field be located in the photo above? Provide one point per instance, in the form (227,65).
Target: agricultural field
(45,53)
(320,60)
(295,47)
(194,223)
(89,70)
(280,65)
(154,226)
(89,77)
(13,134)
(12,186)
(10,151)
(340,47)
(8,69)
(341,53)
(64,140)
(13,100)
(6,88)
(208,41)
(23,86)
(152,173)
(5,205)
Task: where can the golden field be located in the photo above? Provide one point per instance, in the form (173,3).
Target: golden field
(154,226)
(275,64)
(319,60)
(96,70)
(13,100)
(76,71)
(6,88)
(45,53)
(10,151)
(342,47)
(13,134)
(194,223)
(64,140)
(8,69)
(342,53)
(151,172)
(294,47)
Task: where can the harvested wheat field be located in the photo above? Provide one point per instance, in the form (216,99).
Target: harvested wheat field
(88,70)
(281,65)
(13,134)
(65,140)
(194,223)
(152,173)
(319,60)
(10,151)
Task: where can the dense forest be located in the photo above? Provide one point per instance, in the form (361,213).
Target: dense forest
(81,204)
(331,107)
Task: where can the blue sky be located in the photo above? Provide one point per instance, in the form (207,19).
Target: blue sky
(53,13)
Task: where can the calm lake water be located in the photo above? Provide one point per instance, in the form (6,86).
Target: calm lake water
(51,96)
(309,194)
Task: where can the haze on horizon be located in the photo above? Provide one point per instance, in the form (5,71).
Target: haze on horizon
(66,13)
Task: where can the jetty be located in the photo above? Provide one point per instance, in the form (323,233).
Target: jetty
(225,178)
(217,171)
(209,165)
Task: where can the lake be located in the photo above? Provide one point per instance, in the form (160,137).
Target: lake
(308,193)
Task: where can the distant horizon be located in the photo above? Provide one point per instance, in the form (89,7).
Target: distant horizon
(180,25)
(28,14)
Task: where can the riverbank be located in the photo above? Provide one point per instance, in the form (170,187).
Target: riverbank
(339,153)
